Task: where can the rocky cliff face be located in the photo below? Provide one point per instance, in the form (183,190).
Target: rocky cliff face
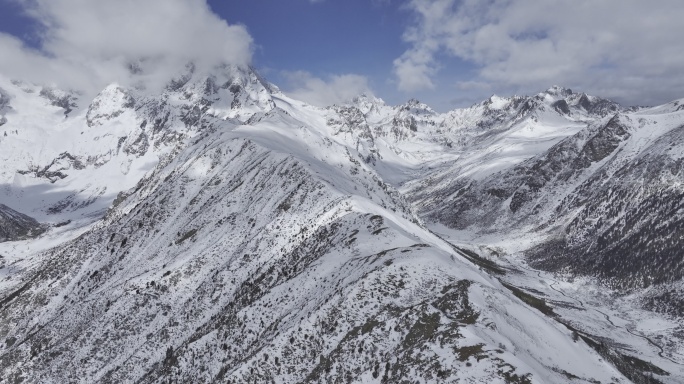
(17,226)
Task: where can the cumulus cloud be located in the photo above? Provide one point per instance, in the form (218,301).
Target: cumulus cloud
(627,48)
(323,92)
(414,69)
(85,44)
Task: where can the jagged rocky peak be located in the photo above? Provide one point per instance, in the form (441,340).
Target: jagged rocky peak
(495,111)
(60,98)
(415,107)
(559,98)
(17,226)
(412,117)
(228,91)
(594,105)
(368,104)
(556,90)
(348,118)
(566,102)
(497,102)
(110,103)
(233,78)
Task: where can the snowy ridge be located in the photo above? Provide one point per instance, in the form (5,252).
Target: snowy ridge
(210,268)
(251,237)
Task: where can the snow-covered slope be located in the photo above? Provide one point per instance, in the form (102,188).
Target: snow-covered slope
(403,141)
(259,256)
(66,158)
(254,238)
(606,202)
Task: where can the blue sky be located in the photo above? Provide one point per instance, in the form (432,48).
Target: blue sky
(327,38)
(323,37)
(15,22)
(447,53)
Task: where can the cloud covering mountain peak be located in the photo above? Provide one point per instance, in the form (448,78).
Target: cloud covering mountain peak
(86,44)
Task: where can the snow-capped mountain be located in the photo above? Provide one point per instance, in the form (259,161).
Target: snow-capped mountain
(609,197)
(67,159)
(249,237)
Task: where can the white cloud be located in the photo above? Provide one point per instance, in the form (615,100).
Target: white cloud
(319,92)
(413,70)
(622,48)
(88,43)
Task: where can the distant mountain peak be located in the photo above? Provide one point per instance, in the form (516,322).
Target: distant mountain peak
(414,106)
(368,103)
(558,90)
(496,102)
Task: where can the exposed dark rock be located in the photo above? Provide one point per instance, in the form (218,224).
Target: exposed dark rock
(561,106)
(58,98)
(17,226)
(55,170)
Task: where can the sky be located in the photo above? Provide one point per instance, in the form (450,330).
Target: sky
(446,53)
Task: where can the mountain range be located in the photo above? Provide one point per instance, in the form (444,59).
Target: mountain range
(221,231)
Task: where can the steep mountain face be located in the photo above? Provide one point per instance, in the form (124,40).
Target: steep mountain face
(512,197)
(66,159)
(607,199)
(628,221)
(270,253)
(249,237)
(15,225)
